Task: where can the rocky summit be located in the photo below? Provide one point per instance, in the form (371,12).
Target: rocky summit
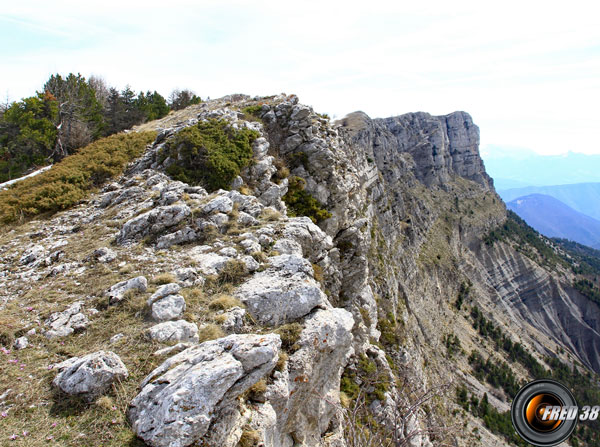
(263,276)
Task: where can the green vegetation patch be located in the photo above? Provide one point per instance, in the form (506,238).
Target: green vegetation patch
(583,384)
(72,179)
(301,203)
(211,154)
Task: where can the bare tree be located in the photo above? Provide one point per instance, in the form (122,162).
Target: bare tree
(399,428)
(99,85)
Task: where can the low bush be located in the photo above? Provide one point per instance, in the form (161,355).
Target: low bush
(71,180)
(211,154)
(301,203)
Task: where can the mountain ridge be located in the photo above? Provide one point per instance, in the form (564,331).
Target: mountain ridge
(553,218)
(582,197)
(384,301)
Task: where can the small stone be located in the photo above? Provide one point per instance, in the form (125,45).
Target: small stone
(228,251)
(251,264)
(66,322)
(104,255)
(117,292)
(21,343)
(250,246)
(234,319)
(32,254)
(115,338)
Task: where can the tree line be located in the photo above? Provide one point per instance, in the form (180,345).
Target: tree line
(71,112)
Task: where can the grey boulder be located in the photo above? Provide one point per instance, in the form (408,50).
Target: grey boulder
(284,292)
(174,331)
(89,376)
(170,307)
(153,221)
(117,292)
(180,399)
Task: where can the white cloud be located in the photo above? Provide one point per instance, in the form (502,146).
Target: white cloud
(528,72)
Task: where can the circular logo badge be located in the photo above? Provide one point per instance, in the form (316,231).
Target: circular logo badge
(544,413)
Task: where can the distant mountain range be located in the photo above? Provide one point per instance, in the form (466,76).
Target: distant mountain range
(518,167)
(582,197)
(553,218)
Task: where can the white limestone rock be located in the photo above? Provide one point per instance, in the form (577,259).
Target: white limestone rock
(170,307)
(89,376)
(153,221)
(104,255)
(221,204)
(164,290)
(21,343)
(32,254)
(284,292)
(234,319)
(187,234)
(64,323)
(174,331)
(180,399)
(117,292)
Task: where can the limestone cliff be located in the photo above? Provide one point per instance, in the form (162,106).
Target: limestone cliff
(239,323)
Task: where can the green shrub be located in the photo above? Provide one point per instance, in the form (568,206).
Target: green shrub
(302,203)
(71,180)
(211,153)
(254,110)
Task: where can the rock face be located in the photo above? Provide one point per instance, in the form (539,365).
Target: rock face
(304,401)
(89,376)
(440,146)
(185,395)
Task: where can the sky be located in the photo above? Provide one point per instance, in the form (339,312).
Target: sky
(528,72)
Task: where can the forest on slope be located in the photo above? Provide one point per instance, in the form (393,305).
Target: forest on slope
(69,113)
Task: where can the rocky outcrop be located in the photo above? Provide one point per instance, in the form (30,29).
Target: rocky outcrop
(284,292)
(61,324)
(370,292)
(181,399)
(153,221)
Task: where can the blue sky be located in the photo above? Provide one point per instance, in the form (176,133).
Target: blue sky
(527,71)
